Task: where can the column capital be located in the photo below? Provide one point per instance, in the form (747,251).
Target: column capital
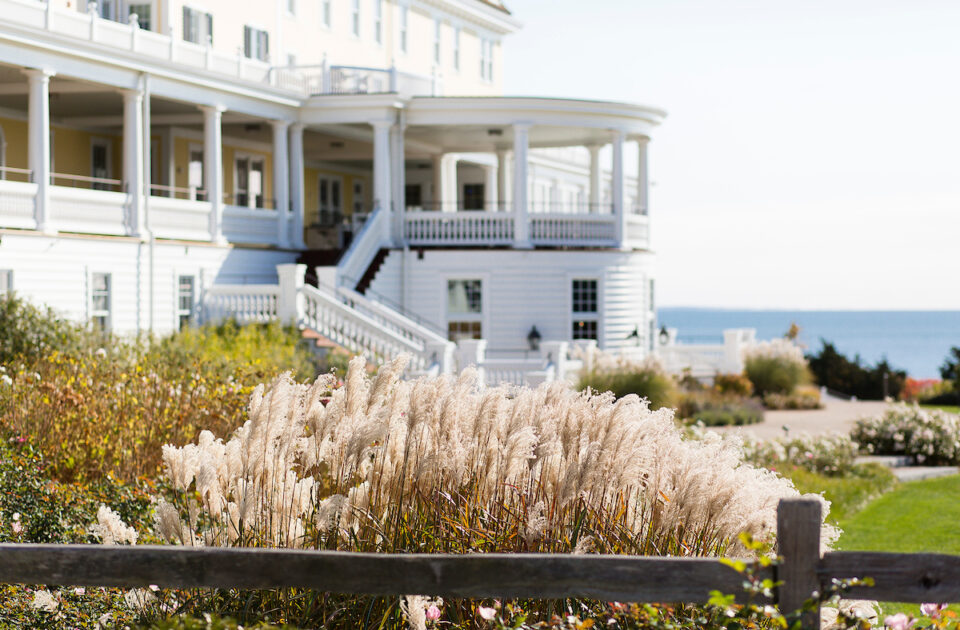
(297,128)
(596,146)
(522,125)
(210,110)
(131,94)
(638,138)
(280,125)
(41,74)
(381,124)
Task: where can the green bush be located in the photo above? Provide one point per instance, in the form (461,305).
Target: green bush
(645,382)
(733,384)
(774,375)
(28,332)
(713,409)
(802,398)
(835,371)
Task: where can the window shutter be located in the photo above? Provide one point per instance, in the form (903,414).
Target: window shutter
(188,34)
(247,42)
(264,38)
(209,20)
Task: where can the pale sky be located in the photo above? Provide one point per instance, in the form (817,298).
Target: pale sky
(811,154)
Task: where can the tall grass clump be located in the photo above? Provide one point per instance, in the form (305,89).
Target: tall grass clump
(775,367)
(623,376)
(447,465)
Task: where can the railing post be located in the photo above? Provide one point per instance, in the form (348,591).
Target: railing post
(48,15)
(292,280)
(473,352)
(798,542)
(441,355)
(92,13)
(555,353)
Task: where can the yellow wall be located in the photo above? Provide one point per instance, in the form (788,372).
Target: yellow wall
(181,152)
(15,135)
(311,196)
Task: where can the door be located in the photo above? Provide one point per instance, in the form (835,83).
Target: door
(331,208)
(100,164)
(195,175)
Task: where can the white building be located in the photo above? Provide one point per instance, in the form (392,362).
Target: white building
(155,155)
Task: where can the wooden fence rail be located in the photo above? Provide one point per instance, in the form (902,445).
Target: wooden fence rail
(899,577)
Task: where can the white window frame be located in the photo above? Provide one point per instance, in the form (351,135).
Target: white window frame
(355,18)
(251,158)
(178,311)
(437,40)
(329,180)
(581,316)
(483,316)
(195,147)
(358,204)
(202,25)
(108,312)
(486,58)
(107,144)
(256,41)
(7,276)
(378,21)
(403,27)
(148,26)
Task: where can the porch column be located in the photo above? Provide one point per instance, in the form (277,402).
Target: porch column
(398,168)
(133,159)
(521,172)
(490,177)
(281,180)
(643,177)
(296,184)
(38,151)
(596,183)
(213,167)
(619,197)
(381,166)
(503,179)
(449,183)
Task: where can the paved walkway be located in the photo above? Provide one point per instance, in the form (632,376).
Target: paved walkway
(837,416)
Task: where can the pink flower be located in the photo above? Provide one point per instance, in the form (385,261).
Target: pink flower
(80,591)
(486,613)
(433,613)
(16,527)
(932,610)
(898,621)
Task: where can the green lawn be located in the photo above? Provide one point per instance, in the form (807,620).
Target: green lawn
(950,408)
(848,494)
(918,516)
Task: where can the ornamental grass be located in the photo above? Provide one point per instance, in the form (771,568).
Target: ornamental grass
(447,465)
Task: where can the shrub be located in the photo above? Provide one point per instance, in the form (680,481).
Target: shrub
(835,371)
(622,377)
(832,454)
(733,384)
(930,435)
(28,332)
(442,465)
(713,409)
(776,367)
(802,398)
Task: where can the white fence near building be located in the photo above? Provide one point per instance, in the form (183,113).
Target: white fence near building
(707,360)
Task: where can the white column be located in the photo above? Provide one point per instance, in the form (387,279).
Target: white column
(521,172)
(596,183)
(382,197)
(490,188)
(39,144)
(449,188)
(291,280)
(398,168)
(213,167)
(643,177)
(436,199)
(281,180)
(619,197)
(133,184)
(503,179)
(296,184)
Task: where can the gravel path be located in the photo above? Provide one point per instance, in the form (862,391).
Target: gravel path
(837,416)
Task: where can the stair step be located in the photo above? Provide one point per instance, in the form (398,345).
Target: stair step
(371,271)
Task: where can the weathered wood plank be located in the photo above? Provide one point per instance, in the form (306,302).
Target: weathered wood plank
(899,577)
(611,578)
(798,540)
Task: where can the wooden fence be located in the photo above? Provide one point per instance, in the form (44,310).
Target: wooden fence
(898,577)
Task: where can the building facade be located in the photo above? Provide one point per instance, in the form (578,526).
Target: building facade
(151,152)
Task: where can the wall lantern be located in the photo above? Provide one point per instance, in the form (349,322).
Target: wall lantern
(664,336)
(635,335)
(533,338)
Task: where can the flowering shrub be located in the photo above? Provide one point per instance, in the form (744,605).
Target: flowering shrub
(801,398)
(712,409)
(733,384)
(832,454)
(445,465)
(930,435)
(776,366)
(624,376)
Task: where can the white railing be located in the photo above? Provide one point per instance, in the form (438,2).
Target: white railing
(17,205)
(355,331)
(701,360)
(573,229)
(250,225)
(88,211)
(358,80)
(179,218)
(248,304)
(510,371)
(389,319)
(453,228)
(364,247)
(638,230)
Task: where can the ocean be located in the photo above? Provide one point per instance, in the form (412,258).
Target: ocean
(915,341)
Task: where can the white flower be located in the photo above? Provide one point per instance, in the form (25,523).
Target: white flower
(111,530)
(138,599)
(6,380)
(101,352)
(44,600)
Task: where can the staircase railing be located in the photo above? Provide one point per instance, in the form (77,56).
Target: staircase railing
(390,319)
(363,249)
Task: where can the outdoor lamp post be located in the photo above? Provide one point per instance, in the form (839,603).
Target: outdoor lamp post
(533,338)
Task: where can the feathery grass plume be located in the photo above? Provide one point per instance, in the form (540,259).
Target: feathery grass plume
(445,464)
(111,530)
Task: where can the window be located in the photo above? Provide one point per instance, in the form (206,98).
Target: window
(100,163)
(107,9)
(404,17)
(256,43)
(143,13)
(456,48)
(436,41)
(6,281)
(195,174)
(584,300)
(473,196)
(378,21)
(186,293)
(325,12)
(292,7)
(100,301)
(291,60)
(197,26)
(358,201)
(414,196)
(464,309)
(355,12)
(486,59)
(249,182)
(331,211)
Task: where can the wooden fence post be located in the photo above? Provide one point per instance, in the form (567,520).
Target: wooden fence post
(798,542)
